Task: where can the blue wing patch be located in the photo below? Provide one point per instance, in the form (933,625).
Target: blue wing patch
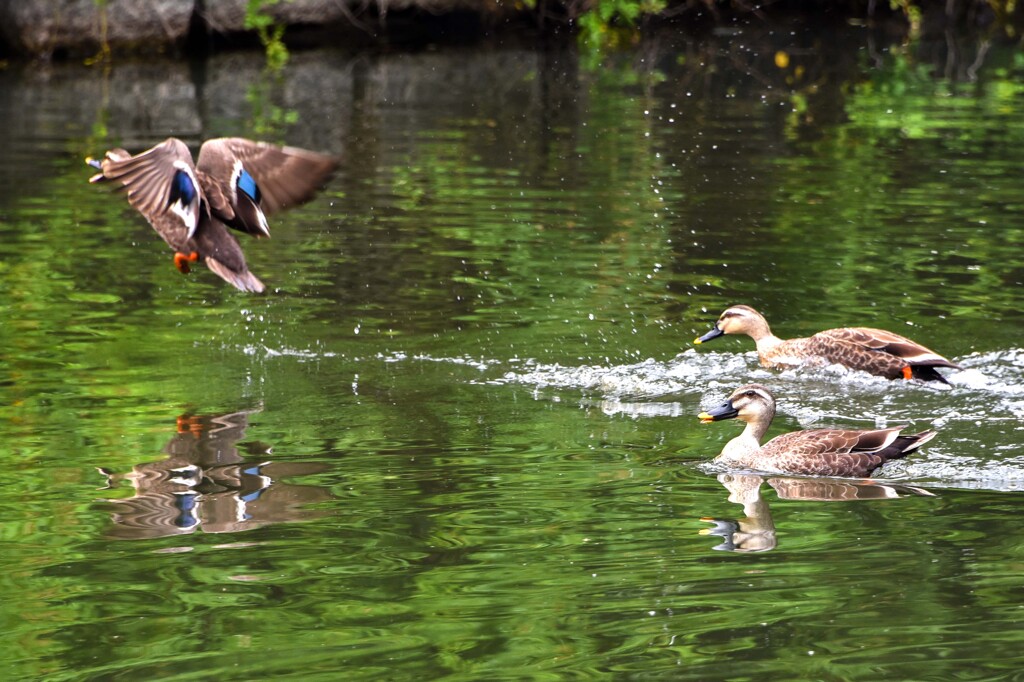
(182,189)
(247,184)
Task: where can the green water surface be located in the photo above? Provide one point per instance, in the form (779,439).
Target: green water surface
(457,438)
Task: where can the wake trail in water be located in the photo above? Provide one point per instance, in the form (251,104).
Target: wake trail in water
(979,415)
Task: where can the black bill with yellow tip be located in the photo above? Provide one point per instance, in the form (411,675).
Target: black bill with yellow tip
(717,414)
(714,333)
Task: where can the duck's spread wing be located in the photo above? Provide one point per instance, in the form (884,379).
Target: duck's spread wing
(830,452)
(886,342)
(285,176)
(160,182)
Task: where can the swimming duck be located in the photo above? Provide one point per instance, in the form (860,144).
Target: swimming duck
(875,351)
(820,452)
(235,183)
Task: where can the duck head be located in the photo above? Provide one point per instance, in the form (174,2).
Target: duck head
(738,319)
(750,403)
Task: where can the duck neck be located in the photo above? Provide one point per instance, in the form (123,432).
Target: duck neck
(755,430)
(763,337)
(767,343)
(741,449)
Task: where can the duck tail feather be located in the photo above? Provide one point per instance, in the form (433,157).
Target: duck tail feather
(244,281)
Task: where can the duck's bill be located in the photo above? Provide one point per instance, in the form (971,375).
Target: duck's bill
(717,414)
(713,334)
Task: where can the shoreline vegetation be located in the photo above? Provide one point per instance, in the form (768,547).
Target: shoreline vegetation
(96,30)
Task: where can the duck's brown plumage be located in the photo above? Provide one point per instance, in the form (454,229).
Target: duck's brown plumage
(819,452)
(875,351)
(235,183)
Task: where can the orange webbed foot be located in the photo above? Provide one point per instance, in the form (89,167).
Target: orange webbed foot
(181,261)
(908,373)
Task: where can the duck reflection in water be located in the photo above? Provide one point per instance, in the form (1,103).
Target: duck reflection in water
(756,531)
(209,482)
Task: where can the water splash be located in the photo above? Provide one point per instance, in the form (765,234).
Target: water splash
(687,372)
(480,364)
(979,415)
(300,353)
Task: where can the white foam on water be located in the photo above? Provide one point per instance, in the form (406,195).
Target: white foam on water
(979,415)
(303,354)
(613,407)
(687,372)
(961,471)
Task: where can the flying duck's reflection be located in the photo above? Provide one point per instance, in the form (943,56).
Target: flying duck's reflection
(211,482)
(756,531)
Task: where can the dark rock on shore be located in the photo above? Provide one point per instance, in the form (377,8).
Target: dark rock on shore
(82,28)
(48,27)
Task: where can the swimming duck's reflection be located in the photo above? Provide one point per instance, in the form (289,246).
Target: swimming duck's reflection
(207,483)
(756,531)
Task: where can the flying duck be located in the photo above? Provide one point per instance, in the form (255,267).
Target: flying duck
(235,183)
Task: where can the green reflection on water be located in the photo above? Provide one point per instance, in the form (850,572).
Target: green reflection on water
(393,506)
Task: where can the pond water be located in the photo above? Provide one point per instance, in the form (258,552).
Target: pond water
(457,439)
